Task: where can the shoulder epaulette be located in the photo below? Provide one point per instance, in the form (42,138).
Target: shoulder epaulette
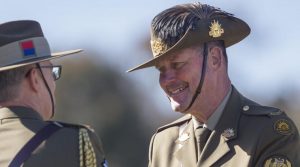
(71,125)
(87,156)
(282,124)
(261,110)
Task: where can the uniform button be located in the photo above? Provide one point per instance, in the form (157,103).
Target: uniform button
(246,108)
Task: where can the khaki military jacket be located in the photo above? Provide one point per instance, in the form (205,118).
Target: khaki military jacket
(62,149)
(247,135)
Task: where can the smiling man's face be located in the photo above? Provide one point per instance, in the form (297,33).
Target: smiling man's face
(180,75)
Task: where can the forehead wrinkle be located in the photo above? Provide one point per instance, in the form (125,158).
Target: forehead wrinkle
(167,58)
(176,55)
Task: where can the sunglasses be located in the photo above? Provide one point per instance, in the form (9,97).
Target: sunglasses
(56,71)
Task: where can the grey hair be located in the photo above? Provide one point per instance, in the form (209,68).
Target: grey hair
(10,81)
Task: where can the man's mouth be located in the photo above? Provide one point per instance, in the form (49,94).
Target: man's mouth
(177,90)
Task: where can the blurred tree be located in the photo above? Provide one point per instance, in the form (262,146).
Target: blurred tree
(288,101)
(95,94)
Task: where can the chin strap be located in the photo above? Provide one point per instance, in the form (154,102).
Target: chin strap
(48,88)
(198,90)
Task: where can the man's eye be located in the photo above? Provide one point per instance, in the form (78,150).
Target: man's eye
(178,65)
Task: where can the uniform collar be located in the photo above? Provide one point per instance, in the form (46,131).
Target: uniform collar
(215,117)
(19,112)
(229,120)
(225,131)
(178,122)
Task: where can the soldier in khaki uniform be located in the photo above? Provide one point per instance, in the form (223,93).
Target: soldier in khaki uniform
(220,126)
(27,84)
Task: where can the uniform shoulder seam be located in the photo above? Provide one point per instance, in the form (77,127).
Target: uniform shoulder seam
(260,110)
(73,125)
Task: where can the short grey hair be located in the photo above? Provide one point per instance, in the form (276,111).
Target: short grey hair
(10,81)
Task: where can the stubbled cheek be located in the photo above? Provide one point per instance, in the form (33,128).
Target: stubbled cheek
(193,85)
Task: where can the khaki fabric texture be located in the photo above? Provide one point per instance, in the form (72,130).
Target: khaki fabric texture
(18,125)
(252,139)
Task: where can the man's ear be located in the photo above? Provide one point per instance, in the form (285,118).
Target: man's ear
(34,79)
(215,57)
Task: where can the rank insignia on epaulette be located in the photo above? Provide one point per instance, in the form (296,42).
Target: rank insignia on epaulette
(283,127)
(279,161)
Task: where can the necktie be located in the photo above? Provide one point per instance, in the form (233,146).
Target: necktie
(201,134)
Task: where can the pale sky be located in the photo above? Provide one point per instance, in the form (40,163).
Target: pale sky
(261,66)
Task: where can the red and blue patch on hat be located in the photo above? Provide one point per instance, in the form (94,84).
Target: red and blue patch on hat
(28,48)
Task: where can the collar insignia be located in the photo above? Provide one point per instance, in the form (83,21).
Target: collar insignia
(228,133)
(215,29)
(184,137)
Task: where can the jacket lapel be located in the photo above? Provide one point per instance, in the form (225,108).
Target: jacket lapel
(215,149)
(186,147)
(226,130)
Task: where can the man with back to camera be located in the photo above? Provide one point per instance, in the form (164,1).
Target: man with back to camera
(27,85)
(220,126)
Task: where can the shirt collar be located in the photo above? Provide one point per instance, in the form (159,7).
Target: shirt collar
(214,118)
(18,112)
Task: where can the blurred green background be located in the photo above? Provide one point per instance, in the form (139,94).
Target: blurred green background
(125,109)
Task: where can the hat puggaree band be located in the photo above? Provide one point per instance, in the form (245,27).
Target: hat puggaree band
(23,43)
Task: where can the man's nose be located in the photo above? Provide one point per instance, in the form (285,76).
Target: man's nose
(167,76)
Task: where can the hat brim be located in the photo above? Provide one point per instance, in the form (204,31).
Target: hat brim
(235,30)
(40,59)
